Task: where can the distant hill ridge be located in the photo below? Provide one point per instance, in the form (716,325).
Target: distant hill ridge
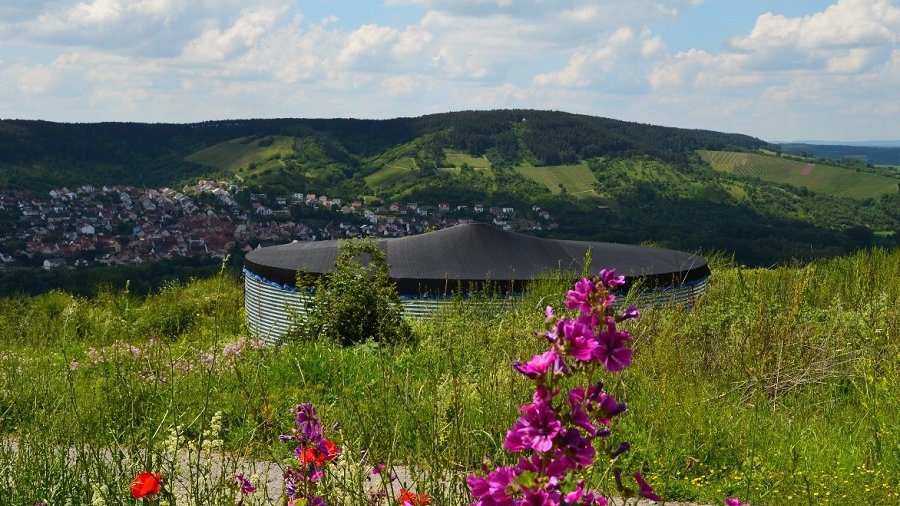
(41,154)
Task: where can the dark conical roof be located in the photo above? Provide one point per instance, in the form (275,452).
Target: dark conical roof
(473,253)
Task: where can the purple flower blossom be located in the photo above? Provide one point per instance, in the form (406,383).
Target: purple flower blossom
(577,414)
(606,407)
(540,364)
(580,296)
(630,313)
(733,501)
(537,427)
(644,489)
(612,350)
(244,485)
(308,425)
(610,280)
(577,449)
(580,342)
(624,447)
(497,488)
(540,498)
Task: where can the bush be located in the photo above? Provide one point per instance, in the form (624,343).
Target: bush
(356,302)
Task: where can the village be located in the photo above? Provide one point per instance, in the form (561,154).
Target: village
(125,225)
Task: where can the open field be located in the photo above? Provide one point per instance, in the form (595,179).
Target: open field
(578,180)
(456,159)
(392,173)
(815,177)
(781,386)
(238,154)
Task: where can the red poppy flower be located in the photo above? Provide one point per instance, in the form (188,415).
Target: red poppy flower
(410,498)
(312,455)
(145,484)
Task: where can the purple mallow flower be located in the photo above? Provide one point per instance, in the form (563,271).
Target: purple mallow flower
(644,489)
(244,485)
(734,501)
(497,488)
(610,280)
(612,348)
(579,297)
(579,341)
(308,425)
(577,449)
(540,364)
(535,429)
(630,313)
(624,447)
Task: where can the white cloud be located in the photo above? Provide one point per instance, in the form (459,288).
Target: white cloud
(368,40)
(587,66)
(216,44)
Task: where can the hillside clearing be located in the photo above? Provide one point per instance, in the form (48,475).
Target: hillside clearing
(392,173)
(457,159)
(819,178)
(577,180)
(238,154)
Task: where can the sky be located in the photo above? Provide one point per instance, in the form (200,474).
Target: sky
(776,69)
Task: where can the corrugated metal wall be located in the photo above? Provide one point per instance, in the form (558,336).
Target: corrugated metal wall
(271,308)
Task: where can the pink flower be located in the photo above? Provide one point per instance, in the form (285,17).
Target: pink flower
(612,350)
(540,364)
(580,296)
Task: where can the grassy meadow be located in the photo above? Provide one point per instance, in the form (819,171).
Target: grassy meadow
(782,386)
(237,154)
(577,180)
(820,178)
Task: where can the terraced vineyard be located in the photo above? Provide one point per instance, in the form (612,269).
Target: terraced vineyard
(819,178)
(239,154)
(576,179)
(457,158)
(392,173)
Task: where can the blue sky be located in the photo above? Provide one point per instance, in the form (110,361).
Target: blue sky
(779,70)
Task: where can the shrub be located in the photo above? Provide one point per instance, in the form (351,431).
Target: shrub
(356,302)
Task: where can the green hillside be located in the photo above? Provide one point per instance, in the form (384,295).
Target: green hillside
(575,180)
(237,154)
(623,182)
(392,173)
(815,177)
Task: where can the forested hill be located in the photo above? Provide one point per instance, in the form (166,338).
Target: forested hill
(41,154)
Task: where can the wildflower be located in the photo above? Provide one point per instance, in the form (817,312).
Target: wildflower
(244,485)
(578,450)
(611,350)
(318,455)
(733,501)
(498,487)
(146,484)
(536,428)
(609,279)
(644,489)
(308,423)
(540,364)
(580,296)
(630,313)
(624,447)
(378,469)
(580,342)
(408,498)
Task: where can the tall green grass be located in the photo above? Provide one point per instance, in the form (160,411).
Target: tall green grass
(780,386)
